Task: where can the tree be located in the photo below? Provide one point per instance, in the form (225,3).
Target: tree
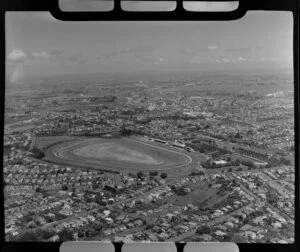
(88,233)
(247,220)
(38,190)
(200,173)
(65,235)
(272,197)
(258,182)
(89,200)
(64,187)
(80,233)
(98,227)
(124,131)
(153,173)
(163,175)
(228,237)
(203,230)
(237,162)
(98,199)
(149,226)
(94,186)
(37,153)
(28,236)
(140,175)
(46,234)
(238,135)
(285,161)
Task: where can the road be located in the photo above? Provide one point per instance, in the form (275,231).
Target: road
(51,224)
(278,187)
(208,223)
(259,200)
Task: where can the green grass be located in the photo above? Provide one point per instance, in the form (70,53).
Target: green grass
(45,142)
(200,193)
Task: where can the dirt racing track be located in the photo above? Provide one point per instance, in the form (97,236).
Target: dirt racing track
(120,154)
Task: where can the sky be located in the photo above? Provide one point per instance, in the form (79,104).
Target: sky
(39,45)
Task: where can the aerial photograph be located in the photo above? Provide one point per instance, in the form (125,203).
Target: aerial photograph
(150,131)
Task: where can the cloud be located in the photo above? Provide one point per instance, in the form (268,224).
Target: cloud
(134,50)
(140,49)
(160,61)
(188,52)
(108,55)
(231,60)
(74,57)
(157,61)
(241,59)
(43,55)
(17,73)
(268,59)
(56,53)
(17,55)
(82,61)
(245,49)
(224,60)
(143,58)
(240,49)
(212,47)
(189,61)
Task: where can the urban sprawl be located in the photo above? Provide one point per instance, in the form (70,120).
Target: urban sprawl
(241,189)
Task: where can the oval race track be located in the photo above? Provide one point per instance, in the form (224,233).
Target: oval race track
(168,157)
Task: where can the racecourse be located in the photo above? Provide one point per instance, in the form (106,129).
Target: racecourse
(121,154)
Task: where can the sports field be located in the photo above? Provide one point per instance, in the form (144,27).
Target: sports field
(117,152)
(120,154)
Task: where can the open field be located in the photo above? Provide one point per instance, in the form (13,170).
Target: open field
(122,154)
(118,152)
(200,193)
